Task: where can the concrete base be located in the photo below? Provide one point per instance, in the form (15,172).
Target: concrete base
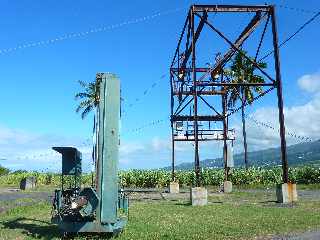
(287,193)
(227,187)
(28,183)
(174,187)
(199,196)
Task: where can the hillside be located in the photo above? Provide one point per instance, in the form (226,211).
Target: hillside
(302,153)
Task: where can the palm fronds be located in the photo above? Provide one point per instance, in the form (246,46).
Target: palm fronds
(89,97)
(243,71)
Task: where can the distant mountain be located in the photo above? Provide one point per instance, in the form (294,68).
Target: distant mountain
(298,154)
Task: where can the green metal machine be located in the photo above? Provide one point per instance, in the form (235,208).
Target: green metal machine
(97,208)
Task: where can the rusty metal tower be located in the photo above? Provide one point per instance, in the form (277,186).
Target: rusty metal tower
(194,87)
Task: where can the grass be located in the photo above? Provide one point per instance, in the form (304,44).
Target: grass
(218,221)
(239,215)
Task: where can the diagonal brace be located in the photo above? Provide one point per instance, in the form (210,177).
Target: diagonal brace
(235,46)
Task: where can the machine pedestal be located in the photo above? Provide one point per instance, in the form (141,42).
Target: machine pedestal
(199,196)
(287,193)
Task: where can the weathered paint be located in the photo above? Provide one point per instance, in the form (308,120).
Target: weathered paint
(287,193)
(199,196)
(174,187)
(108,141)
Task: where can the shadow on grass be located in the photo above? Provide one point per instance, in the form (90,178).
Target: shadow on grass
(273,203)
(269,201)
(183,204)
(45,230)
(216,202)
(33,228)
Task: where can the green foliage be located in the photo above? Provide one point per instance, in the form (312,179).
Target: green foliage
(144,178)
(89,97)
(305,175)
(243,71)
(3,171)
(162,178)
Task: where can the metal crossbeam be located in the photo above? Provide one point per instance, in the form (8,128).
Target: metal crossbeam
(199,118)
(230,8)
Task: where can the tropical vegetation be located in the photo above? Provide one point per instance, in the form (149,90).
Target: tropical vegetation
(3,170)
(162,178)
(89,97)
(242,70)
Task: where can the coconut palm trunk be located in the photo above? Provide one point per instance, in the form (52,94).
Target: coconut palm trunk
(244,133)
(243,71)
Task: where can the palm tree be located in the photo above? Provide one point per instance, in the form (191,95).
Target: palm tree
(89,97)
(243,71)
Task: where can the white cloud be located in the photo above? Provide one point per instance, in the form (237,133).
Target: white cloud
(127,148)
(31,151)
(310,82)
(8,135)
(302,120)
(159,144)
(153,153)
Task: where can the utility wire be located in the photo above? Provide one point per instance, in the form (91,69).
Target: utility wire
(296,9)
(88,32)
(145,92)
(266,125)
(293,35)
(144,126)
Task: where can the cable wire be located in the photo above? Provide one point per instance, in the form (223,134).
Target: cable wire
(296,9)
(266,125)
(292,35)
(88,32)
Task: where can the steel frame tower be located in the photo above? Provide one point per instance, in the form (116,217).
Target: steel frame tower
(190,84)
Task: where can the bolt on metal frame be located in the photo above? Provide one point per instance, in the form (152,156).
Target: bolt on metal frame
(199,86)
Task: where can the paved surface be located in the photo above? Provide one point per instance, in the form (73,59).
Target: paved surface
(314,235)
(14,194)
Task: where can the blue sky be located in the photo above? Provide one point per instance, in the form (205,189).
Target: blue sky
(38,82)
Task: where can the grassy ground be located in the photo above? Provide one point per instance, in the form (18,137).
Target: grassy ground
(243,214)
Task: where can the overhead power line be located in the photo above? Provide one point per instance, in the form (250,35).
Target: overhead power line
(297,9)
(291,134)
(144,126)
(88,32)
(144,93)
(292,35)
